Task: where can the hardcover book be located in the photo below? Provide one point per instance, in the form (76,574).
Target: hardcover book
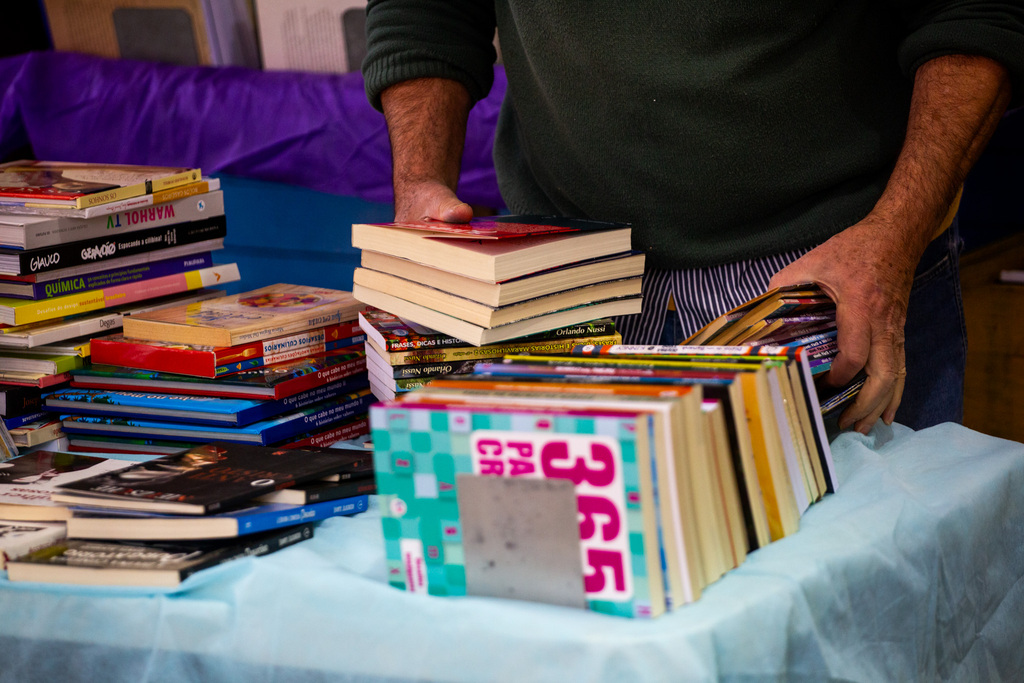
(215,361)
(271,311)
(133,525)
(273,382)
(100,563)
(264,433)
(453,248)
(27,481)
(81,185)
(206,479)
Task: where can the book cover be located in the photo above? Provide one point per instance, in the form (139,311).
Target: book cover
(272,382)
(38,432)
(213,361)
(102,563)
(80,185)
(27,481)
(87,282)
(140,202)
(36,232)
(255,518)
(600,453)
(492,260)
(391,333)
(18,400)
(263,433)
(271,311)
(205,479)
(110,249)
(236,412)
(21,538)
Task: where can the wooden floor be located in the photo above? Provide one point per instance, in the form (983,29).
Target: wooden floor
(994,385)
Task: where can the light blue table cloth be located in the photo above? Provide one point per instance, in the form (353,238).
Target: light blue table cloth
(912,571)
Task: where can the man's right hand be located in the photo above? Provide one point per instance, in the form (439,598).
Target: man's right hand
(427,126)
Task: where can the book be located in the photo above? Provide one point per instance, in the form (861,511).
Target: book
(209,478)
(391,333)
(455,248)
(601,269)
(484,315)
(142,201)
(38,432)
(255,518)
(346,430)
(319,491)
(84,443)
(19,400)
(271,311)
(34,379)
(36,232)
(35,335)
(273,382)
(214,361)
(24,311)
(21,420)
(235,412)
(478,335)
(263,433)
(47,364)
(21,538)
(105,563)
(1010,275)
(111,250)
(104,278)
(27,481)
(81,185)
(80,347)
(426,547)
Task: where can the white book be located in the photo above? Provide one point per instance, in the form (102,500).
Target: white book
(21,538)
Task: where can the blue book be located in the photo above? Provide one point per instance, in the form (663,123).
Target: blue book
(22,420)
(111,524)
(207,410)
(264,432)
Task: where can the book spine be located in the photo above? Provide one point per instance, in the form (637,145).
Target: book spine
(125,294)
(336,411)
(129,219)
(264,545)
(320,377)
(119,276)
(107,248)
(22,420)
(594,329)
(305,513)
(19,400)
(331,436)
(490,351)
(400,372)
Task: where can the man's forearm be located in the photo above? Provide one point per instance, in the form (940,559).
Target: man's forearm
(427,126)
(957,103)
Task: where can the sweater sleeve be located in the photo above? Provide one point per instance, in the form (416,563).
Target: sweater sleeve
(987,28)
(409,39)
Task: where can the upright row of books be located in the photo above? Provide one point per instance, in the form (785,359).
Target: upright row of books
(81,247)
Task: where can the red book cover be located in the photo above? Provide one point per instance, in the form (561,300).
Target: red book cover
(505,227)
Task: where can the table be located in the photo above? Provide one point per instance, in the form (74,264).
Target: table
(913,570)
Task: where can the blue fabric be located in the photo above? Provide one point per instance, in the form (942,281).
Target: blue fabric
(913,570)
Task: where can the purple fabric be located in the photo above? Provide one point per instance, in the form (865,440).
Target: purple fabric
(313,130)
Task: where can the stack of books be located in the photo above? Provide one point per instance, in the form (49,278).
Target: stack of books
(499,278)
(83,245)
(280,365)
(69,518)
(679,460)
(402,356)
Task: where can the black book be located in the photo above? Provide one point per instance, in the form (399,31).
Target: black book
(135,563)
(17,399)
(31,261)
(319,491)
(202,480)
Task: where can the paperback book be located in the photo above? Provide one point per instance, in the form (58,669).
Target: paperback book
(202,480)
(21,538)
(27,481)
(272,311)
(105,563)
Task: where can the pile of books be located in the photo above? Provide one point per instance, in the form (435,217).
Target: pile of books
(82,246)
(499,278)
(402,356)
(679,461)
(281,365)
(72,518)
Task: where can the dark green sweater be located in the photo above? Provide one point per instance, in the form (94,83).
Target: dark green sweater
(721,129)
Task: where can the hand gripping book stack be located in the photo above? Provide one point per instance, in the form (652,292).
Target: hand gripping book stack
(499,278)
(293,371)
(157,522)
(723,449)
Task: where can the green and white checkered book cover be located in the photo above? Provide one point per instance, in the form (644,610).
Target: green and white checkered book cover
(419,450)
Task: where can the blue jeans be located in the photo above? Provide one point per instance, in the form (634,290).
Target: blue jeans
(936,338)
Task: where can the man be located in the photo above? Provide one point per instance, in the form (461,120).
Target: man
(826,141)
